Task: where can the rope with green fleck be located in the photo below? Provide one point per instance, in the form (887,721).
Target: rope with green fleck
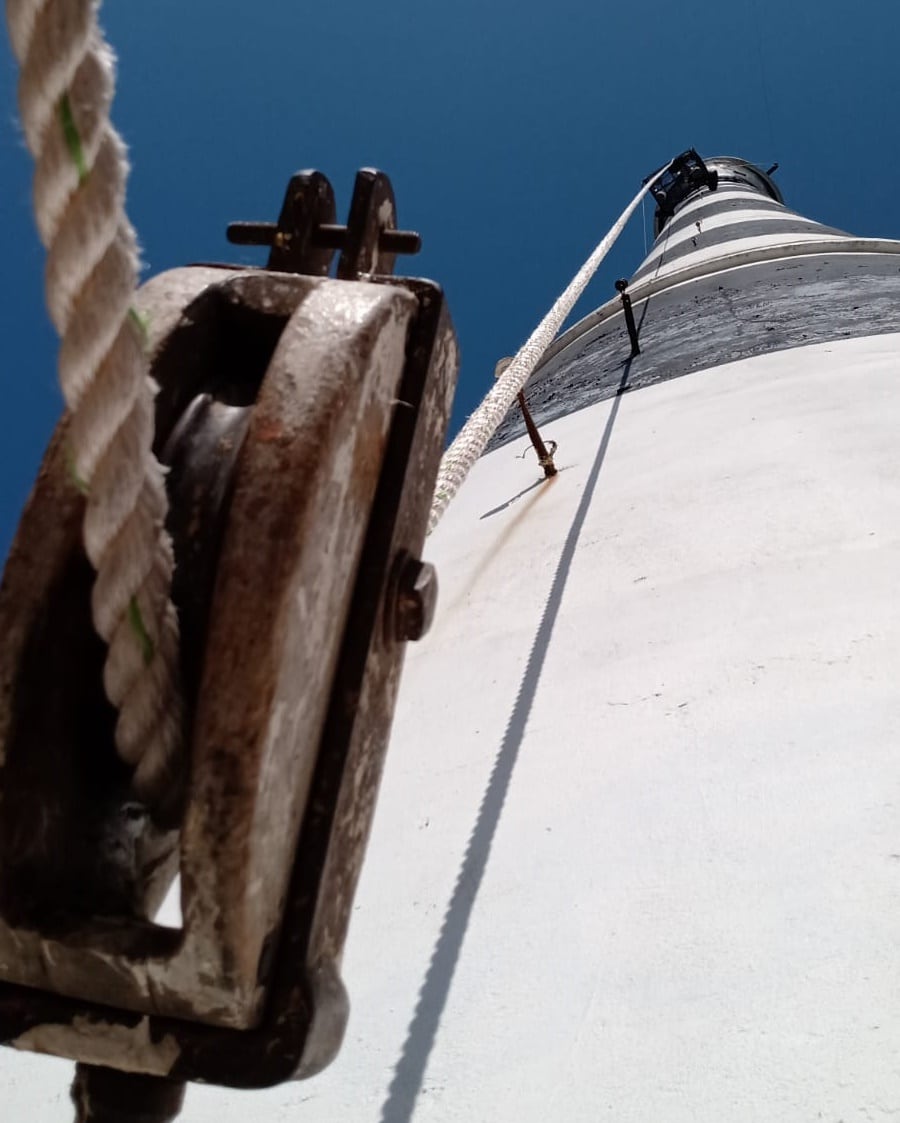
(65,90)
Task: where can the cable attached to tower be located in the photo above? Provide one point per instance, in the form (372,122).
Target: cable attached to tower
(472,439)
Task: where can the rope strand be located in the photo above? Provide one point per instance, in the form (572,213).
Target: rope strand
(66,86)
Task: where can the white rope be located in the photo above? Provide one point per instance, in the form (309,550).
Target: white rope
(472,439)
(65,89)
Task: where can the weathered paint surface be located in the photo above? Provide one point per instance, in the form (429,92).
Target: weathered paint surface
(733,273)
(636,854)
(729,315)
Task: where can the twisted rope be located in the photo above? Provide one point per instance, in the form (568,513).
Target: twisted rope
(65,89)
(472,439)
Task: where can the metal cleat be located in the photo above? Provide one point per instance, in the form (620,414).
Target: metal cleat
(303,419)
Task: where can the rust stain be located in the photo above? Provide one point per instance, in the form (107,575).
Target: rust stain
(270,430)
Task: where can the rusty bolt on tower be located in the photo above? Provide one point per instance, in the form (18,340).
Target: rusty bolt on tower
(544,453)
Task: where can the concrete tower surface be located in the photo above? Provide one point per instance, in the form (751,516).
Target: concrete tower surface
(637,852)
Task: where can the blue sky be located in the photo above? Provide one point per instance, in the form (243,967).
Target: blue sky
(514,134)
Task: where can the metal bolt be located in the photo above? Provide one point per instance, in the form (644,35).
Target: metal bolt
(328,235)
(411,608)
(333,236)
(399,241)
(544,454)
(251,233)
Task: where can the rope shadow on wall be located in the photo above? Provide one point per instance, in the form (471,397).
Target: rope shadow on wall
(409,1072)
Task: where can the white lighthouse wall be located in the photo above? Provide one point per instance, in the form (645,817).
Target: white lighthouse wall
(637,852)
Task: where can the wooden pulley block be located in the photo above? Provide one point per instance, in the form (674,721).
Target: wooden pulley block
(303,419)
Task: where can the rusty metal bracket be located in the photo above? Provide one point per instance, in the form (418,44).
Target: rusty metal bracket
(304,420)
(373,240)
(621,287)
(306,235)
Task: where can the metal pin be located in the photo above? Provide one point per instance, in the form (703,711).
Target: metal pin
(544,455)
(330,236)
(251,233)
(411,603)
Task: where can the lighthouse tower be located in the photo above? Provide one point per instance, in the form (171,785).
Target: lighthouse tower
(733,274)
(636,855)
(637,850)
